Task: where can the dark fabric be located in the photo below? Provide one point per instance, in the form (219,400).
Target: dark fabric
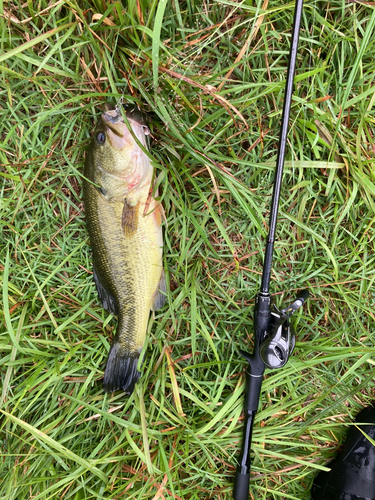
(352,474)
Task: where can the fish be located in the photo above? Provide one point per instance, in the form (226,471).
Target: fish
(124,223)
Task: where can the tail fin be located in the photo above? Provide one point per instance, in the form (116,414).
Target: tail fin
(121,370)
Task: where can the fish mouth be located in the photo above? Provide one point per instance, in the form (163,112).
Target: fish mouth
(116,129)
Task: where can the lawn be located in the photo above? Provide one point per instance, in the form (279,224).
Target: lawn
(210,74)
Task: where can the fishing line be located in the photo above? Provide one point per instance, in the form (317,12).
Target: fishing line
(120,103)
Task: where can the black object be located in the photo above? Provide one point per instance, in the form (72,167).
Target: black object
(274,338)
(352,474)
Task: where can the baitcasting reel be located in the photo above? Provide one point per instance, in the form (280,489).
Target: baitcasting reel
(278,345)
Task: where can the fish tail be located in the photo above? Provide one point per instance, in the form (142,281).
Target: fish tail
(121,370)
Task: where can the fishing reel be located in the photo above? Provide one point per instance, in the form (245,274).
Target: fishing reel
(279,343)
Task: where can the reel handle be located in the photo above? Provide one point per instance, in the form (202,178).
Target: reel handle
(303,295)
(300,300)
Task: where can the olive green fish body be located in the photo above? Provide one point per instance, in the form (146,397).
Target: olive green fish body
(124,225)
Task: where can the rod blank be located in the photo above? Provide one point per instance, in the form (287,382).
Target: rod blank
(282,147)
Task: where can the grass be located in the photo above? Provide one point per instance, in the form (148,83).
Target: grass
(211,76)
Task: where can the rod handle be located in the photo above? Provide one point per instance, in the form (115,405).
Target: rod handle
(241,486)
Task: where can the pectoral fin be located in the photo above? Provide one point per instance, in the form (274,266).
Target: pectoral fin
(129,218)
(160,294)
(159,214)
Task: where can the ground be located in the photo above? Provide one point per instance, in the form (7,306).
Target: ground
(210,75)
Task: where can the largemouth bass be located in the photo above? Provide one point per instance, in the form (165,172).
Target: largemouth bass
(124,226)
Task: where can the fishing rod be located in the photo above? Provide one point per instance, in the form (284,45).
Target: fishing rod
(274,337)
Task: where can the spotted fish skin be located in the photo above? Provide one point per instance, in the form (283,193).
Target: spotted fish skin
(124,226)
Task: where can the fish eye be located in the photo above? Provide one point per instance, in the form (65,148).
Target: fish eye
(100,138)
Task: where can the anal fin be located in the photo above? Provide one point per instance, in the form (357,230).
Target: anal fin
(160,295)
